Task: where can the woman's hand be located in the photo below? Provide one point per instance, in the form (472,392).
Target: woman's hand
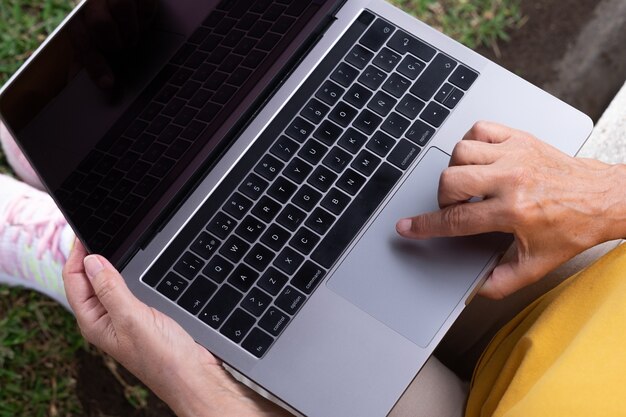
(152,346)
(556,206)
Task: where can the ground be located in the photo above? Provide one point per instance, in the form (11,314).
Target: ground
(45,367)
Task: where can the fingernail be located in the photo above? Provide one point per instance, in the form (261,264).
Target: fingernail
(404,226)
(93,266)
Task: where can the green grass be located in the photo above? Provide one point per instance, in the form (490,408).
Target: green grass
(474,23)
(38,339)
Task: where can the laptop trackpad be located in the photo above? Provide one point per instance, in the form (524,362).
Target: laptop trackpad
(412,286)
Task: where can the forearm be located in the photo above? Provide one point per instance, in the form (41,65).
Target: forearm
(611,203)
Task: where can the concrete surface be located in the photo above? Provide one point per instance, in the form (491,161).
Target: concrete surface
(594,66)
(608,140)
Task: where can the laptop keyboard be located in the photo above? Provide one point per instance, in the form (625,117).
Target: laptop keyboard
(247,268)
(187,95)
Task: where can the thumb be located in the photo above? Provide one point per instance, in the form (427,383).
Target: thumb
(108,285)
(506,279)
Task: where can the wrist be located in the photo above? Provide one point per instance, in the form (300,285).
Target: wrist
(612,214)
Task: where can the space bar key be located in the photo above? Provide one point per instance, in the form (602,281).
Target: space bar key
(355,216)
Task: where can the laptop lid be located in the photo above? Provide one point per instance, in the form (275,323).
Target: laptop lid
(125,108)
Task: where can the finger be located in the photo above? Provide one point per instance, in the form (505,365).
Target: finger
(458,184)
(77,286)
(473,152)
(489,132)
(457,220)
(505,279)
(109,287)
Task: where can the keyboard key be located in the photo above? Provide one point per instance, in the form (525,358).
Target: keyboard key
(237,206)
(284,148)
(269,167)
(221,225)
(403,43)
(337,160)
(411,67)
(343,114)
(313,151)
(434,114)
(359,56)
(272,281)
(189,265)
(238,325)
(234,248)
(274,321)
(290,300)
(282,189)
(395,125)
(250,229)
(322,178)
(304,241)
(382,103)
(288,261)
(443,93)
(358,95)
(453,99)
(330,93)
(275,237)
(420,133)
(410,106)
(253,186)
(335,201)
(351,182)
(404,154)
(266,209)
(256,302)
(463,77)
(218,269)
(328,133)
(355,216)
(352,140)
(205,245)
(306,198)
(197,295)
(377,34)
(372,77)
(297,170)
(366,163)
(308,277)
(433,77)
(299,129)
(259,257)
(387,59)
(291,217)
(172,286)
(320,220)
(367,122)
(257,342)
(344,74)
(396,85)
(243,277)
(315,111)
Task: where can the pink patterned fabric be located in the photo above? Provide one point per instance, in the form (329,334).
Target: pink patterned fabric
(43,224)
(17,160)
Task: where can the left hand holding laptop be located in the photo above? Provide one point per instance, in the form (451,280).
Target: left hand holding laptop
(152,346)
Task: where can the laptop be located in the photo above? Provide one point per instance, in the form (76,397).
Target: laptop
(243,164)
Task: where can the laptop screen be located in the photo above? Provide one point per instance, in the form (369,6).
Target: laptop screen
(131,101)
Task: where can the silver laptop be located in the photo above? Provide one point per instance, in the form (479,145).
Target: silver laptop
(243,163)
